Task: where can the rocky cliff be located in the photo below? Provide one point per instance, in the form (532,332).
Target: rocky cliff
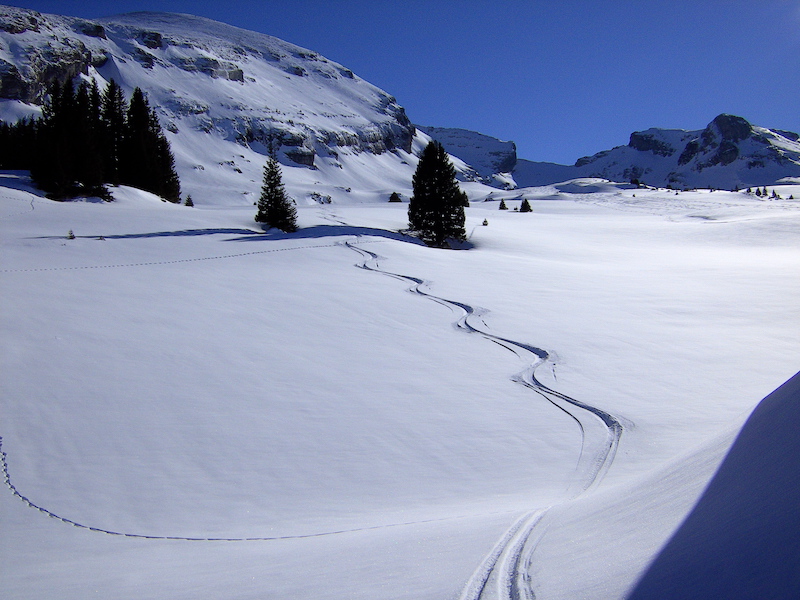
(205,76)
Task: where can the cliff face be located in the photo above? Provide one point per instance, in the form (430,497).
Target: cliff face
(205,76)
(729,152)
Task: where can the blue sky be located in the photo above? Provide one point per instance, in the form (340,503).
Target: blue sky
(562,79)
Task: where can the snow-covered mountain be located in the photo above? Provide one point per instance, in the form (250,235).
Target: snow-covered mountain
(223,93)
(729,152)
(490,160)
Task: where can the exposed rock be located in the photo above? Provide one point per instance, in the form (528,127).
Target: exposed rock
(151,39)
(728,153)
(647,142)
(732,128)
(92,30)
(16,21)
(689,152)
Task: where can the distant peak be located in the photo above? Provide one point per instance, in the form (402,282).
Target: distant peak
(732,128)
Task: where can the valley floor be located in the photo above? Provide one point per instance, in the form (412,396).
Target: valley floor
(191,407)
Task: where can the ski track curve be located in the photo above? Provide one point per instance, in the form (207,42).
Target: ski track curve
(503,574)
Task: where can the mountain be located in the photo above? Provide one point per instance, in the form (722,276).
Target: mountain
(222,93)
(730,152)
(489,160)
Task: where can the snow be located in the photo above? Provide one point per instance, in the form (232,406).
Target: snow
(233,413)
(194,407)
(740,541)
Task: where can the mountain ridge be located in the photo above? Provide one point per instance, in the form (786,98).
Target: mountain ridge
(252,92)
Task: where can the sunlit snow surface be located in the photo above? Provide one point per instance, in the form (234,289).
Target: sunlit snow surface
(302,426)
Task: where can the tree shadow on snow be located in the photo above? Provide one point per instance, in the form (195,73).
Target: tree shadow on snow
(325,231)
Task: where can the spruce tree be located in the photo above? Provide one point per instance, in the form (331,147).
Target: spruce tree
(503,205)
(113,119)
(436,209)
(146,160)
(275,208)
(525,206)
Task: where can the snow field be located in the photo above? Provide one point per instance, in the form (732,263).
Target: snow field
(191,376)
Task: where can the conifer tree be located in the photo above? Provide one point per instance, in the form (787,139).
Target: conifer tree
(146,161)
(275,208)
(436,210)
(525,206)
(503,205)
(113,119)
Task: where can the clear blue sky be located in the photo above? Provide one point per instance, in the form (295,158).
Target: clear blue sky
(563,79)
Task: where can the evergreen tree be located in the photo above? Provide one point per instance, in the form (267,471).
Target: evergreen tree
(146,160)
(436,210)
(89,167)
(395,197)
(525,206)
(503,205)
(54,167)
(113,123)
(275,208)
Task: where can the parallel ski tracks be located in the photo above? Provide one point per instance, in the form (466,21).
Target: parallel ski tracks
(504,573)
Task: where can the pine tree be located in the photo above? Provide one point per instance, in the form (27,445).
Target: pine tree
(146,160)
(436,210)
(275,208)
(89,168)
(503,205)
(525,206)
(113,120)
(395,197)
(54,167)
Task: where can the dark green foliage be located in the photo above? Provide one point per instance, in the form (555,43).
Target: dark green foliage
(113,124)
(85,139)
(18,144)
(436,210)
(503,205)
(525,206)
(189,201)
(275,208)
(146,159)
(395,197)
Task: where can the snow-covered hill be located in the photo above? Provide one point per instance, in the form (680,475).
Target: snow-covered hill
(193,407)
(489,160)
(222,93)
(728,153)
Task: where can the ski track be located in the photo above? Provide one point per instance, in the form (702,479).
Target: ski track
(31,504)
(504,573)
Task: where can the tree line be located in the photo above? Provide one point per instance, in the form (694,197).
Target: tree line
(86,139)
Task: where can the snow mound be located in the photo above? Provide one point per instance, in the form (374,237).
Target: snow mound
(741,541)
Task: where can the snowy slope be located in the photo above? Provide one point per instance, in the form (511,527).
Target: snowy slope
(222,93)
(741,541)
(491,160)
(192,407)
(729,153)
